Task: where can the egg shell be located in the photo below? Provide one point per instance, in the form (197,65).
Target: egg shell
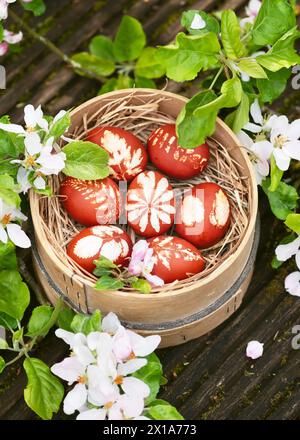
(128,156)
(109,241)
(203,216)
(173,160)
(175,258)
(150,204)
(91,202)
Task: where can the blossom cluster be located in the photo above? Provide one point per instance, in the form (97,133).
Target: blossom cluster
(8,36)
(101,366)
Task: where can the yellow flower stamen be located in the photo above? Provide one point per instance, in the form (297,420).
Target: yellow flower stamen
(119,380)
(6,219)
(108,405)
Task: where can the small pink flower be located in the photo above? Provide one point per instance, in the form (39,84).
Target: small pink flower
(3,48)
(254,349)
(142,263)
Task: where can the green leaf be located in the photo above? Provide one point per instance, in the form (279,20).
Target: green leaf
(144,83)
(44,392)
(130,40)
(58,128)
(231,35)
(8,257)
(148,65)
(2,364)
(8,191)
(15,296)
(162,410)
(104,266)
(18,337)
(293,222)
(65,318)
(102,47)
(141,285)
(283,200)
(36,6)
(86,324)
(106,282)
(276,175)
(282,54)
(86,161)
(11,145)
(252,68)
(3,344)
(241,117)
(39,320)
(275,18)
(190,54)
(212,24)
(152,375)
(273,87)
(93,64)
(1,32)
(124,82)
(109,86)
(8,322)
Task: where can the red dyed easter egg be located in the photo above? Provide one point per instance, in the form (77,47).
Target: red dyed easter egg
(175,258)
(150,204)
(127,155)
(203,216)
(173,160)
(109,241)
(91,202)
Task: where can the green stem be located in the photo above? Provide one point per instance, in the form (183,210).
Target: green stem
(21,354)
(216,78)
(54,48)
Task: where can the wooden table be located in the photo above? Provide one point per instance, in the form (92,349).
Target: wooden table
(209,378)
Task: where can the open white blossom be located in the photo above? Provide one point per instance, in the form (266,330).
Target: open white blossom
(9,230)
(100,366)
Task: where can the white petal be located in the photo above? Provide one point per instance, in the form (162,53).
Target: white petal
(131,406)
(154,280)
(3,234)
(298,259)
(59,116)
(285,251)
(115,413)
(135,387)
(93,339)
(39,183)
(282,160)
(12,38)
(292,284)
(84,355)
(17,236)
(292,149)
(122,344)
(294,130)
(198,22)
(22,179)
(143,346)
(280,126)
(29,116)
(110,323)
(254,349)
(263,168)
(92,414)
(70,369)
(131,366)
(256,113)
(12,128)
(253,127)
(245,139)
(263,149)
(75,399)
(70,338)
(33,143)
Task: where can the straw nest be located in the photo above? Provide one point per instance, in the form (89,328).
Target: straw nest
(141,119)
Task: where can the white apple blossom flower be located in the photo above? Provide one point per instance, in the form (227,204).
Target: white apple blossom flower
(254,349)
(34,118)
(286,251)
(260,124)
(259,154)
(10,230)
(198,22)
(252,11)
(292,284)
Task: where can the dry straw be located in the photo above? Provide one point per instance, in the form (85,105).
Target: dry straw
(141,118)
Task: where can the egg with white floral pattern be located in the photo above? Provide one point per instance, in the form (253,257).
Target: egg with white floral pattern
(107,241)
(173,160)
(203,216)
(127,155)
(175,258)
(91,202)
(150,204)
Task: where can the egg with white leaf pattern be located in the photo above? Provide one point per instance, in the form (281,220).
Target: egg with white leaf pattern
(107,241)
(150,204)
